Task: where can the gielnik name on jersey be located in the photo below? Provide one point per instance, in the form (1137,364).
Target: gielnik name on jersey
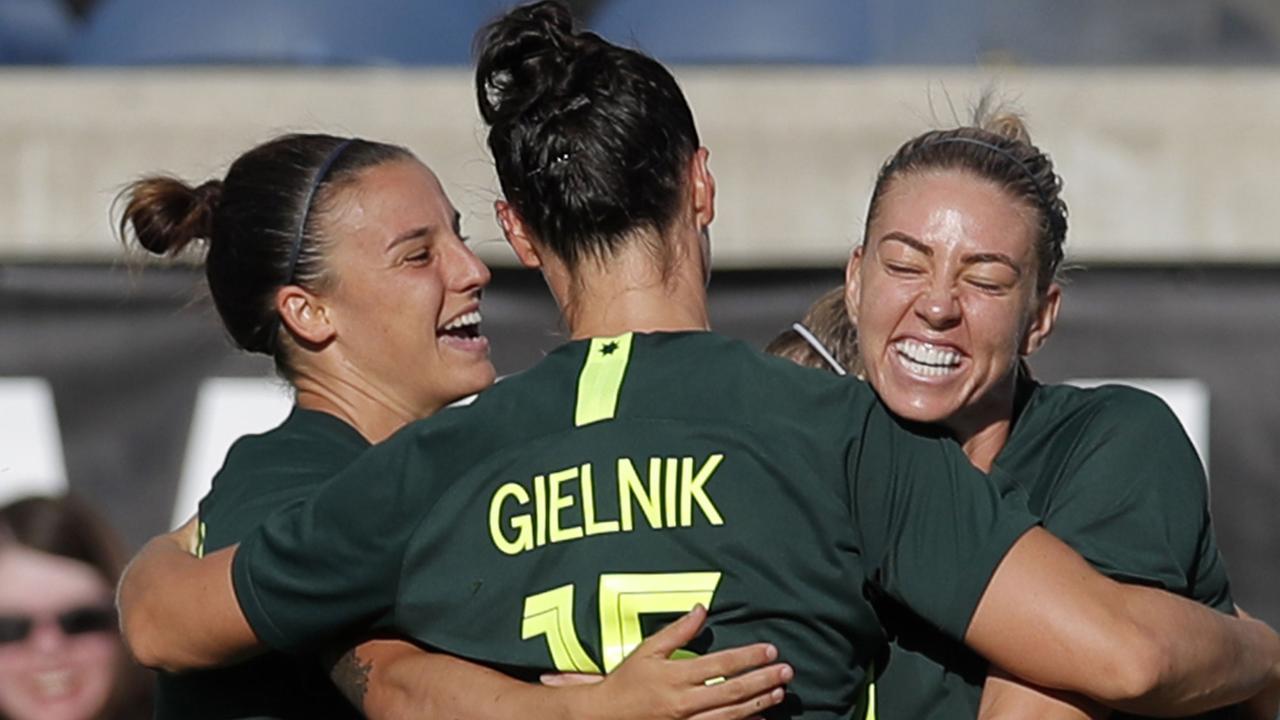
(540,511)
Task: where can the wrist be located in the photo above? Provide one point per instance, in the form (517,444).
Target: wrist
(579,702)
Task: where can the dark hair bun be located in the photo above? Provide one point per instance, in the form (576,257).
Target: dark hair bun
(166,215)
(527,55)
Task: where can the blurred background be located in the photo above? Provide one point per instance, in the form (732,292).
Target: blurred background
(1162,116)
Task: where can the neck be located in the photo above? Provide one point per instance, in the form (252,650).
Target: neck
(375,415)
(628,292)
(984,430)
(982,446)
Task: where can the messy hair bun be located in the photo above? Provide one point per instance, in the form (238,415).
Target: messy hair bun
(167,215)
(591,140)
(524,57)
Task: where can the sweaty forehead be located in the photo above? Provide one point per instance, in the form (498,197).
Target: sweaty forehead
(952,209)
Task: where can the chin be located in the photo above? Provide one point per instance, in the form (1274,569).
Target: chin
(917,409)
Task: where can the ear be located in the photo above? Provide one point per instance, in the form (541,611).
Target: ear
(703,185)
(853,284)
(1042,322)
(517,234)
(305,315)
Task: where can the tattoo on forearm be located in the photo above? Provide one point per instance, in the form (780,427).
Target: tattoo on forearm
(351,675)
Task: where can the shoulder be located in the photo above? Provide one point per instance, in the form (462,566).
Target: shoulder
(1114,408)
(266,471)
(1124,437)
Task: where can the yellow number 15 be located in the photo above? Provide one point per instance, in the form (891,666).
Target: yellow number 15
(624,597)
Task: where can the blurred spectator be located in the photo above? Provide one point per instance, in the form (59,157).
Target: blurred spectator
(60,652)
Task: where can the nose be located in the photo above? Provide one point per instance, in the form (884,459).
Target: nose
(46,638)
(469,273)
(938,307)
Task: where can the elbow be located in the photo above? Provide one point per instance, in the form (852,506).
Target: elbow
(1138,668)
(145,642)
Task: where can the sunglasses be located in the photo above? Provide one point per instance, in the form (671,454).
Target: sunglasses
(76,621)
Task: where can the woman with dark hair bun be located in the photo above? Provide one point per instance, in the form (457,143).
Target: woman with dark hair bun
(60,652)
(649,466)
(342,259)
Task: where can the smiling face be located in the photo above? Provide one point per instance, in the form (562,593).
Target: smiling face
(403,296)
(50,674)
(943,293)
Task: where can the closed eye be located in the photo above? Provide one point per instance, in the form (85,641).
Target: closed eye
(902,269)
(418,257)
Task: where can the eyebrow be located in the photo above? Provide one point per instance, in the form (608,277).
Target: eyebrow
(414,234)
(424,231)
(1001,258)
(909,241)
(970,259)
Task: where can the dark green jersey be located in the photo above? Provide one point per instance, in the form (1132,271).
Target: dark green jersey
(1111,472)
(261,474)
(552,523)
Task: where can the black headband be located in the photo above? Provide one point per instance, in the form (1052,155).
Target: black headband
(296,249)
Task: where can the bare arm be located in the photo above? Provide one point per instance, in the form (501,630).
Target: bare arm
(392,680)
(1006,698)
(1051,619)
(179,612)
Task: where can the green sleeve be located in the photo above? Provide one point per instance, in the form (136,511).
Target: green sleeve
(318,570)
(934,528)
(1134,501)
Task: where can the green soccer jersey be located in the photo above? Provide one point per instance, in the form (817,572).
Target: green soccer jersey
(551,524)
(1111,472)
(261,474)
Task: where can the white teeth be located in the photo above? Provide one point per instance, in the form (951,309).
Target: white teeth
(54,683)
(926,359)
(471,318)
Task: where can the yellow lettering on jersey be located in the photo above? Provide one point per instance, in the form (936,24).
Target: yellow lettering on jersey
(561,502)
(671,481)
(540,509)
(666,498)
(593,526)
(520,523)
(693,489)
(629,487)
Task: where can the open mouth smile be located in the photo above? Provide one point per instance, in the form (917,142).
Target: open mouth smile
(925,359)
(463,333)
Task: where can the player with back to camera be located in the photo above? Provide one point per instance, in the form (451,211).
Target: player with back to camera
(341,259)
(649,465)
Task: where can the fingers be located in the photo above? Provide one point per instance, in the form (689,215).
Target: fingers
(728,663)
(748,708)
(674,636)
(744,688)
(570,679)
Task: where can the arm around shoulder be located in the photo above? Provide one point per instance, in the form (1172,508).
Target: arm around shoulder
(179,612)
(1133,648)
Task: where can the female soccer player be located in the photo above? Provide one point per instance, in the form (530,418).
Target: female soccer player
(649,466)
(955,284)
(341,259)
